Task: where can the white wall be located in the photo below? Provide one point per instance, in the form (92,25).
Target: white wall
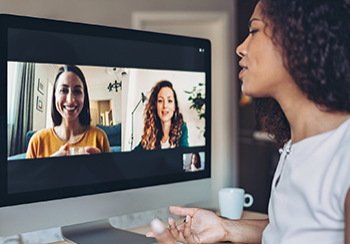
(107,12)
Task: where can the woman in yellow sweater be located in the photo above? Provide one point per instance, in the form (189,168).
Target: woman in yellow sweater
(72,132)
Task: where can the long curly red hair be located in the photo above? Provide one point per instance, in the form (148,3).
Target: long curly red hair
(152,130)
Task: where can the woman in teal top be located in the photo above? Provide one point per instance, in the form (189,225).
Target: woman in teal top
(164,126)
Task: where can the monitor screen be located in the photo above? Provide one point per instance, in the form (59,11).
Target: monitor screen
(93,110)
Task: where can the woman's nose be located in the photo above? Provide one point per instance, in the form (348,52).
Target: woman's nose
(241,50)
(70,97)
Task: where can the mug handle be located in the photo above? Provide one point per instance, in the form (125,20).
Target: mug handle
(251,200)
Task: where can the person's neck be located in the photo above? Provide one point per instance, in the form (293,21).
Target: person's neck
(70,130)
(166,130)
(308,119)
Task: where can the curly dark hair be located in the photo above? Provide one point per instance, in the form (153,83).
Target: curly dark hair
(152,131)
(314,36)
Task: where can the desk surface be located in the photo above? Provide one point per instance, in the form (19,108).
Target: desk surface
(144,229)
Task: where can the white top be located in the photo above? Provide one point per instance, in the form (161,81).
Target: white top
(165,144)
(307,205)
(193,168)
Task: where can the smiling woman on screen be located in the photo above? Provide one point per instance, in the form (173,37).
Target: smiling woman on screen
(70,113)
(164,126)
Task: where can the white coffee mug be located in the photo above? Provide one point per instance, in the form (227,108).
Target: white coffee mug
(232,200)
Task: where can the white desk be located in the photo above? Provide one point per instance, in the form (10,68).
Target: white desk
(144,229)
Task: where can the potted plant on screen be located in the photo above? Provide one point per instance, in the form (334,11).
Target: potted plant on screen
(197,99)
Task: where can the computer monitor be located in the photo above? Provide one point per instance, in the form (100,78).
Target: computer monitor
(120,67)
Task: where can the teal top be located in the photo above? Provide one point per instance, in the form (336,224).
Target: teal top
(183,138)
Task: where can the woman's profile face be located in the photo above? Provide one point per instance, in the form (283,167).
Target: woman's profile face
(263,73)
(165,104)
(69,96)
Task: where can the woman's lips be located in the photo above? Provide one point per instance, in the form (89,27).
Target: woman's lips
(244,69)
(70,108)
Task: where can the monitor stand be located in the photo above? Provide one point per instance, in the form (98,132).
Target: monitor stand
(102,232)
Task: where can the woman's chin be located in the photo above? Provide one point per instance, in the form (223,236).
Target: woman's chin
(246,92)
(251,93)
(166,120)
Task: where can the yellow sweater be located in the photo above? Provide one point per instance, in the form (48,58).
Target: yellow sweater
(45,142)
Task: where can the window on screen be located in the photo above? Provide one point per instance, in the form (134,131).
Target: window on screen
(120,112)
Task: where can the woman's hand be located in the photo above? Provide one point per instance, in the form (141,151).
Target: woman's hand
(203,226)
(162,234)
(85,150)
(92,150)
(63,151)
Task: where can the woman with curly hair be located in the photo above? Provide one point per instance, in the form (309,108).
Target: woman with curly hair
(296,59)
(164,126)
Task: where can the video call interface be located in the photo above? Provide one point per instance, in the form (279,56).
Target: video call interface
(121,79)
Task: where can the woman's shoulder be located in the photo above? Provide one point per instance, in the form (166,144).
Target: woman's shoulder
(40,135)
(341,136)
(184,126)
(344,140)
(93,130)
(184,129)
(184,135)
(43,132)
